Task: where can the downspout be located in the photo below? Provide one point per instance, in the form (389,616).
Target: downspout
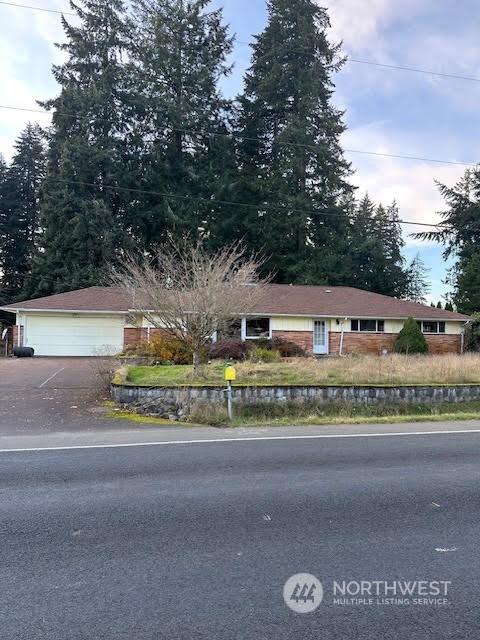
(342,324)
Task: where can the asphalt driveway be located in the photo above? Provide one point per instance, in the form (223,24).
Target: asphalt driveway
(50,394)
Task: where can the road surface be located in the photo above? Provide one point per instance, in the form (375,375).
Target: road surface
(196,540)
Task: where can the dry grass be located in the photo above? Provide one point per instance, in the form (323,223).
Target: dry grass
(388,370)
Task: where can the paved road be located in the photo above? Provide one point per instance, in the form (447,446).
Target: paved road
(196,540)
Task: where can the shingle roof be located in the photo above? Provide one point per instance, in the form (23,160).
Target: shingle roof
(91,299)
(345,302)
(279,299)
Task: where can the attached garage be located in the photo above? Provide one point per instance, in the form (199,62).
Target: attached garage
(73,334)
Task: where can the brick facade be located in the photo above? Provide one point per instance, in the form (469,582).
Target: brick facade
(134,335)
(17,335)
(303,338)
(375,343)
(362,343)
(370,343)
(441,344)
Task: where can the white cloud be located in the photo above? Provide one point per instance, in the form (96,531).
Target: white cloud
(361,24)
(27,52)
(410,183)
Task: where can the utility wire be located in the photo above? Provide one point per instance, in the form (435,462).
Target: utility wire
(251,139)
(428,72)
(229,203)
(26,6)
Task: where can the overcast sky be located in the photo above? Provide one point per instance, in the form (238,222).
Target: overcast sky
(387,111)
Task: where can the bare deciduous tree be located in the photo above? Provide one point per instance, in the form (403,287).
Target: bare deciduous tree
(191,293)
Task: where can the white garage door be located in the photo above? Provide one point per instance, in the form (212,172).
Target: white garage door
(66,335)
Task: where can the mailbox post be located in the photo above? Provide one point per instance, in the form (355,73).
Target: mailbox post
(230,376)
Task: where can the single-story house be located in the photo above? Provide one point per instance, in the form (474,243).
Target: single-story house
(323,320)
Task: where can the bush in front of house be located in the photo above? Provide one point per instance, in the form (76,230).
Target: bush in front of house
(163,348)
(229,349)
(411,340)
(167,348)
(286,348)
(264,355)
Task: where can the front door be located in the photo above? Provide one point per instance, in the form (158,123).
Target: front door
(320,338)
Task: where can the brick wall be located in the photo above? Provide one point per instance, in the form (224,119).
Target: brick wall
(303,338)
(374,343)
(133,335)
(441,344)
(364,343)
(17,335)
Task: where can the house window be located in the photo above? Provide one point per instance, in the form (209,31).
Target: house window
(256,328)
(433,327)
(372,326)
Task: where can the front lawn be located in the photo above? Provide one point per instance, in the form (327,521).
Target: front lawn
(358,370)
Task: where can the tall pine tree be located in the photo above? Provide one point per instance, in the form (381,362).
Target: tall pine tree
(393,273)
(418,285)
(460,233)
(21,210)
(179,54)
(293,170)
(83,216)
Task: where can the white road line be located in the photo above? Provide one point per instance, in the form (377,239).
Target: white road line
(51,378)
(253,439)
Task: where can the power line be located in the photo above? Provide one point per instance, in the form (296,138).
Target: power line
(414,70)
(251,139)
(26,6)
(230,203)
(429,72)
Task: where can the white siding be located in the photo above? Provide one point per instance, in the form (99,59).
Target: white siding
(291,324)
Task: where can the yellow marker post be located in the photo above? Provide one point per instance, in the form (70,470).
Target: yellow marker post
(230,375)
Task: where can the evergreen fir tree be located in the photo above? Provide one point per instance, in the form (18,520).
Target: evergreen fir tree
(418,285)
(467,281)
(411,340)
(3,219)
(83,216)
(20,207)
(179,54)
(460,233)
(392,278)
(366,247)
(294,173)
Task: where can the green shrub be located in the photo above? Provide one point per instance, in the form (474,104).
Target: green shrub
(411,340)
(263,355)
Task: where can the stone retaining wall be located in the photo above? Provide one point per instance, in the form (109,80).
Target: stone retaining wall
(358,395)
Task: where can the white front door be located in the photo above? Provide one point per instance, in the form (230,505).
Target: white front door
(320,337)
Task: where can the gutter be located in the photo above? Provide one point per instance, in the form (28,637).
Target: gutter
(85,311)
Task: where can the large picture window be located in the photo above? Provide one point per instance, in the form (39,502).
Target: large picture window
(372,326)
(256,328)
